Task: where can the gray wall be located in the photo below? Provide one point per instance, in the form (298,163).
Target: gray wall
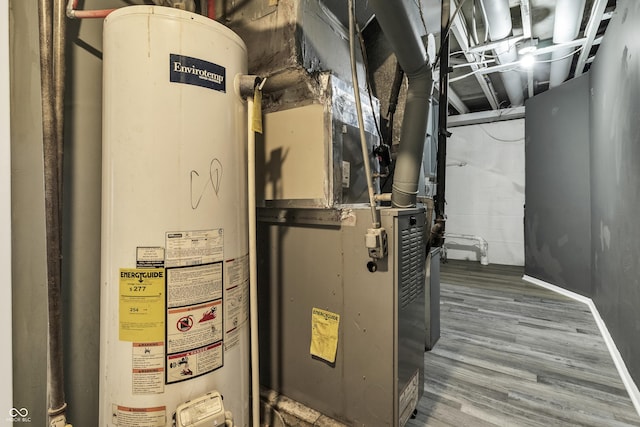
(611,274)
(615,181)
(557,190)
(29,293)
(81,217)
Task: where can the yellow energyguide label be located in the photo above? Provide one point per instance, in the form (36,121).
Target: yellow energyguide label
(141,312)
(324,334)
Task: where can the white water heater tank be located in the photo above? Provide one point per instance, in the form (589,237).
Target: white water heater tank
(174,279)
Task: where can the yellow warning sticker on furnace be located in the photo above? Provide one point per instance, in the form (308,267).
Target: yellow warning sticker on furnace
(324,334)
(141,304)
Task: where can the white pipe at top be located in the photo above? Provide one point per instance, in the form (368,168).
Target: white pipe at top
(566,27)
(567,20)
(483,245)
(498,19)
(253,266)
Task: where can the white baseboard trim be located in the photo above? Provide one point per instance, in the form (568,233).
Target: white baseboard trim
(630,385)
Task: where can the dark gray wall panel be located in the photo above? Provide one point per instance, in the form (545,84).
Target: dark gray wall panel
(557,209)
(615,178)
(28,255)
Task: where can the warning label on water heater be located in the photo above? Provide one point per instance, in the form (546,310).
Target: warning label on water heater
(125,416)
(194,313)
(236,299)
(147,368)
(194,326)
(190,364)
(194,247)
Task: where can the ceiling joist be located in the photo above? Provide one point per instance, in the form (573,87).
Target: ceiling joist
(461,33)
(590,33)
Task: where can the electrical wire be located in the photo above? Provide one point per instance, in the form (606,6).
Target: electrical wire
(469,64)
(514,68)
(561,58)
(447,31)
(500,139)
(464,76)
(457,52)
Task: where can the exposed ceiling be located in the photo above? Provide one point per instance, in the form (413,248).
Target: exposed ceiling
(489,77)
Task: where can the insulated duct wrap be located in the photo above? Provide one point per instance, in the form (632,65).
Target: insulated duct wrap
(568,17)
(498,19)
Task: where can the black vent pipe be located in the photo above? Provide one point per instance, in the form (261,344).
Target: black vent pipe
(437,232)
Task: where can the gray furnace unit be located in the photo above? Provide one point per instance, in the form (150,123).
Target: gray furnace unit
(316,259)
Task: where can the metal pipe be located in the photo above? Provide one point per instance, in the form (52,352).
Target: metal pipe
(498,20)
(59,72)
(384,197)
(560,66)
(55,371)
(406,42)
(441,156)
(81,14)
(375,215)
(568,17)
(512,80)
(483,245)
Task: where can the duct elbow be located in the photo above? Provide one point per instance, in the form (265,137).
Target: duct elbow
(414,128)
(482,244)
(403,195)
(406,42)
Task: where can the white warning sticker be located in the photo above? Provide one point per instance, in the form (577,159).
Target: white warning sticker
(194,326)
(193,247)
(149,257)
(193,363)
(148,368)
(236,298)
(125,416)
(194,284)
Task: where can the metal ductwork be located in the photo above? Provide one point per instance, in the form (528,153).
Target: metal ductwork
(406,41)
(568,17)
(498,17)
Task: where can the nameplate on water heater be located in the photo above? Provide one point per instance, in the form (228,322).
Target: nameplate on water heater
(194,71)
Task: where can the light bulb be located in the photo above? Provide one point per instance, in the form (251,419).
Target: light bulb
(527,61)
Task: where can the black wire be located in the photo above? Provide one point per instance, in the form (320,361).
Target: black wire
(447,31)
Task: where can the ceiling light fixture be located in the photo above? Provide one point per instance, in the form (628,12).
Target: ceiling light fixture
(527,61)
(528,47)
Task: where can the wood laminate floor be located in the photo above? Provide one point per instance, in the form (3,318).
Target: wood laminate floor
(514,354)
